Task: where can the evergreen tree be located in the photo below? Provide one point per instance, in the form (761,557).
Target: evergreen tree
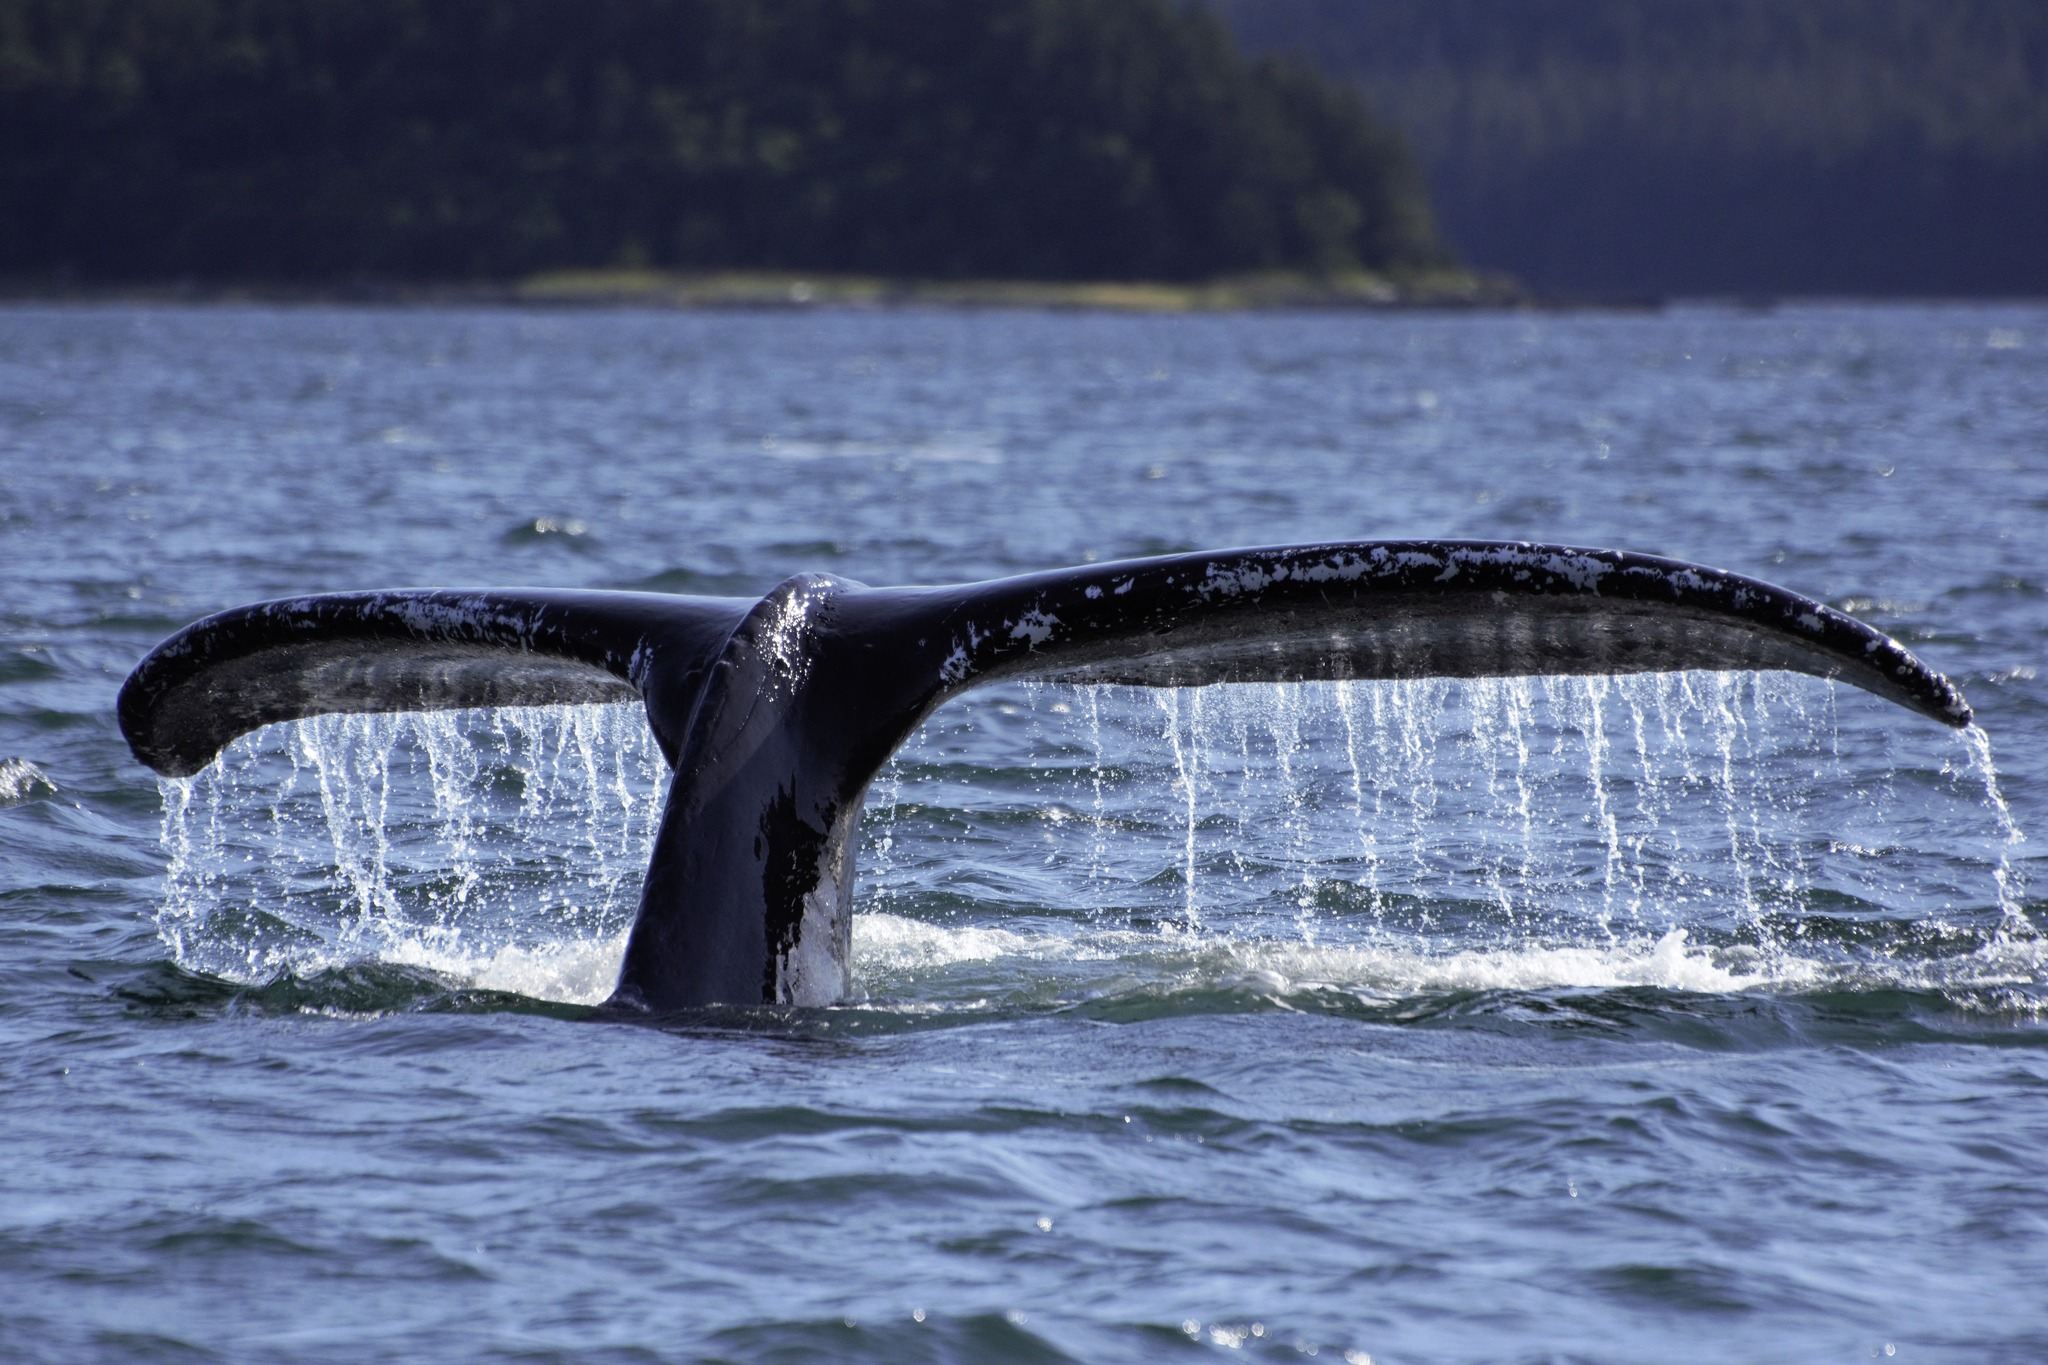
(319,140)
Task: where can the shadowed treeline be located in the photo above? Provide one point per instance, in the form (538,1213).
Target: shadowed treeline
(1711,146)
(325,140)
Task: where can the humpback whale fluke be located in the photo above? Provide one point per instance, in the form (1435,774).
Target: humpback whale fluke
(776,713)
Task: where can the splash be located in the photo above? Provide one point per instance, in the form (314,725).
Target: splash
(895,952)
(503,849)
(1695,832)
(915,965)
(1532,802)
(1717,831)
(2009,880)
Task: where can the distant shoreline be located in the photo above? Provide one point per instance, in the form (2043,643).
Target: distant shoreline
(794,290)
(797,291)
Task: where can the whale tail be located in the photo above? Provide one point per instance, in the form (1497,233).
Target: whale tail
(775,714)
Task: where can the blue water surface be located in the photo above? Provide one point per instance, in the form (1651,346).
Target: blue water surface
(1539,1020)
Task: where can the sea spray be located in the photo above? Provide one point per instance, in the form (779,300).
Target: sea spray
(2008,877)
(1186,766)
(501,844)
(1555,810)
(1397,822)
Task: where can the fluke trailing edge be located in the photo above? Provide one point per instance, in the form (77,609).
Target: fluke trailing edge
(775,714)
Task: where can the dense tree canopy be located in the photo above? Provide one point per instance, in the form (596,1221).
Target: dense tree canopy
(473,139)
(1711,146)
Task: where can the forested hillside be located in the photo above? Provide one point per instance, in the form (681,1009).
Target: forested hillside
(1711,146)
(317,140)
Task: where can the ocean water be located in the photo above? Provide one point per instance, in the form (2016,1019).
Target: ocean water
(1697,1016)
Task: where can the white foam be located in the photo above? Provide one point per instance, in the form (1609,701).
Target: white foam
(1671,962)
(887,946)
(573,971)
(883,942)
(892,951)
(903,964)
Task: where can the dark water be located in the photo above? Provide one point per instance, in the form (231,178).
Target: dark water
(1537,1020)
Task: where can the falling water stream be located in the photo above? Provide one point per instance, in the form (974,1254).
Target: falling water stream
(493,846)
(1682,830)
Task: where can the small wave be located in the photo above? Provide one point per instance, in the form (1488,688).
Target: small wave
(21,779)
(573,531)
(568,971)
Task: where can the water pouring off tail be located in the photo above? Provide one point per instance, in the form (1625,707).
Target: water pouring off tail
(776,715)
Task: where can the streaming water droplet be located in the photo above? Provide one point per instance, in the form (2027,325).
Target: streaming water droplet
(505,848)
(2008,876)
(1697,832)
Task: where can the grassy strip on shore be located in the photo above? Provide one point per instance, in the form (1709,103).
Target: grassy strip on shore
(640,288)
(775,289)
